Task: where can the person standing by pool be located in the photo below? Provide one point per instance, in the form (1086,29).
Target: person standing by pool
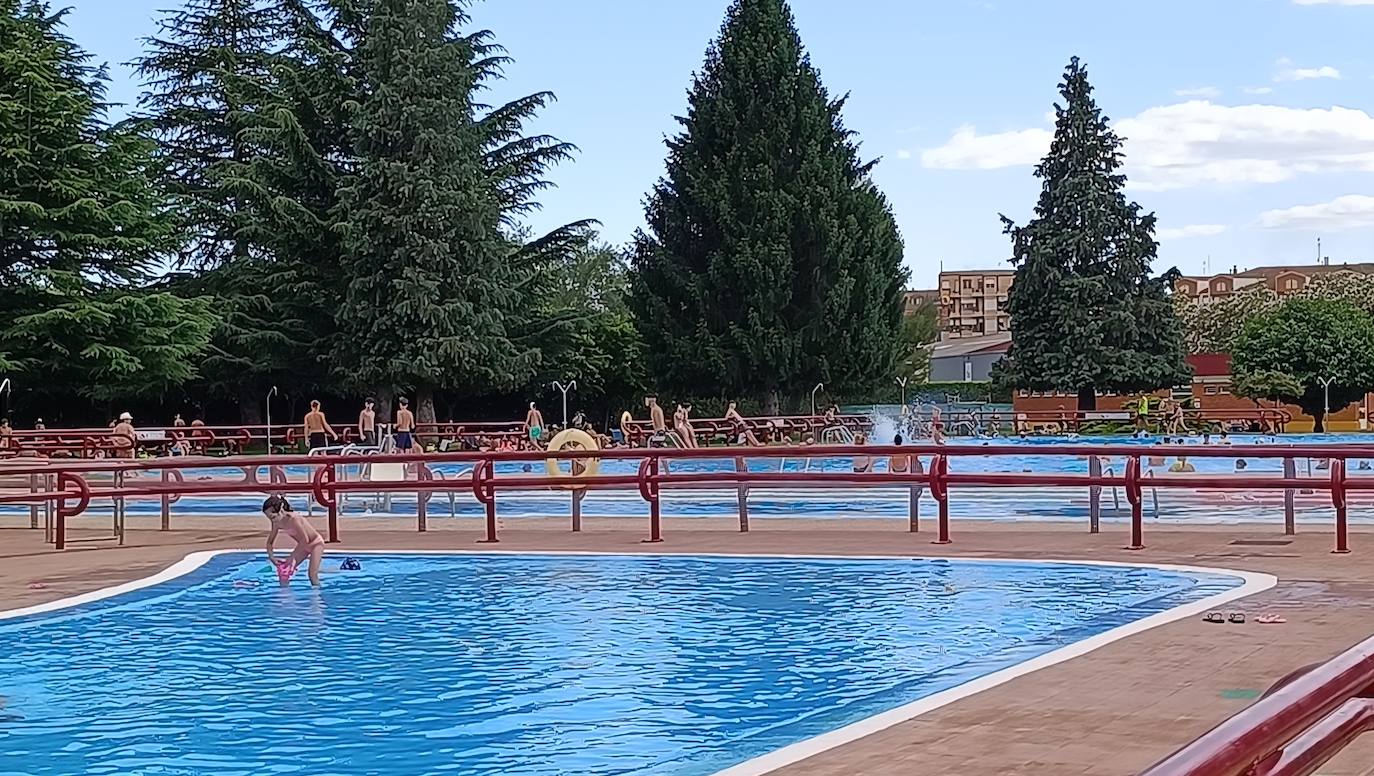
(656,419)
(367,423)
(405,426)
(534,424)
(316,427)
(6,434)
(123,436)
(309,543)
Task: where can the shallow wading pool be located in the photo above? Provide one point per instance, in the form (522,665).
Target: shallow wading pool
(537,664)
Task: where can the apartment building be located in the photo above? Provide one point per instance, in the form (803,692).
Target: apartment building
(973,303)
(915,297)
(1283,280)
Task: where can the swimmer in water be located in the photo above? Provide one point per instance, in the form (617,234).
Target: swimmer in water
(309,543)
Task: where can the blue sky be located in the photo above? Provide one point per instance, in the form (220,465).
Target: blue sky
(1248,122)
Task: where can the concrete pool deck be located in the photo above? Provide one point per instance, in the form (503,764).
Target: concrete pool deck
(1111,712)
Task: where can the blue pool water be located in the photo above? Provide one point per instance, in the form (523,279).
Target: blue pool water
(528,664)
(1045,504)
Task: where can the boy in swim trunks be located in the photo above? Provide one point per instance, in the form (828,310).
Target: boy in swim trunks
(309,543)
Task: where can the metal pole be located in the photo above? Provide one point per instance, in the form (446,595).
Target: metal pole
(571,386)
(902,382)
(818,387)
(270,394)
(1326,397)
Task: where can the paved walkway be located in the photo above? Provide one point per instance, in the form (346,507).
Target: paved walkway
(1109,713)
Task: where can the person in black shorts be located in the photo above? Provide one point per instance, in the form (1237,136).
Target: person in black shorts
(405,426)
(317,427)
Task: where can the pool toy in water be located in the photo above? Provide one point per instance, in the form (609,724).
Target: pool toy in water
(285,571)
(350,564)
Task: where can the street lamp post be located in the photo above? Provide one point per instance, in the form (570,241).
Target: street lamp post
(6,389)
(819,386)
(270,394)
(902,382)
(1326,397)
(570,386)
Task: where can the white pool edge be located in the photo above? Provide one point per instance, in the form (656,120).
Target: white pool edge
(1251,583)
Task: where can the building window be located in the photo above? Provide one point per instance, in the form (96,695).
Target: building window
(1291,284)
(968,284)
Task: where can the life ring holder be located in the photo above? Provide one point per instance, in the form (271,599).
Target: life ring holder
(573,437)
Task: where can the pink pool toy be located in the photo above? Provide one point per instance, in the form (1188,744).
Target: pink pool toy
(285,571)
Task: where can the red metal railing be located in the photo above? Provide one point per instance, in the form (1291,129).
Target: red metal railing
(653,476)
(1292,731)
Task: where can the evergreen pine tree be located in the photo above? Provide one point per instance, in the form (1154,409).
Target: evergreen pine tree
(771,260)
(82,222)
(1086,314)
(429,296)
(208,75)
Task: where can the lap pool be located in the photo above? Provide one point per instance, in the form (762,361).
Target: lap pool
(540,664)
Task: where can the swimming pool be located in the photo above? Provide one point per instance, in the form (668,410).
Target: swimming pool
(1161,505)
(536,664)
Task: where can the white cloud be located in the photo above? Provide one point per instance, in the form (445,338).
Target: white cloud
(1353,211)
(1195,143)
(1191,230)
(1201,91)
(968,150)
(1287,72)
(1257,90)
(903,153)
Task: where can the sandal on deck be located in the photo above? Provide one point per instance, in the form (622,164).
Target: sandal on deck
(1270,619)
(1236,618)
(1213,617)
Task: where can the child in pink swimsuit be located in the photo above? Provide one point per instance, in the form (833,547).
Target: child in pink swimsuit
(309,543)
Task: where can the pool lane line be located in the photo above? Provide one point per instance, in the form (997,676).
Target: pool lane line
(1251,583)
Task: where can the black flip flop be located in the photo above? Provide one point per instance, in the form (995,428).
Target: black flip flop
(1236,617)
(1213,617)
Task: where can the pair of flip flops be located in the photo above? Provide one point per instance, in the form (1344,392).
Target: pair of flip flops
(1217,617)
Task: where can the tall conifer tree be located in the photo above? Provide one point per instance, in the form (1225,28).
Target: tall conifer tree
(83,221)
(208,74)
(771,260)
(1086,314)
(428,295)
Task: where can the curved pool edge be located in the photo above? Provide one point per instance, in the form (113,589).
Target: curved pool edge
(1251,583)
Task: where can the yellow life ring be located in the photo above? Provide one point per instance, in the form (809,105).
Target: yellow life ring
(573,439)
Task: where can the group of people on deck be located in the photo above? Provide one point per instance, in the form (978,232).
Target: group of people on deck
(318,432)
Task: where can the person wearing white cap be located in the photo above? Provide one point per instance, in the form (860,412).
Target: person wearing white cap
(122,437)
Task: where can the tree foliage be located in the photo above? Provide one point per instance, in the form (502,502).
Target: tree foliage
(207,77)
(436,296)
(82,224)
(920,329)
(771,260)
(1086,314)
(1307,340)
(1211,325)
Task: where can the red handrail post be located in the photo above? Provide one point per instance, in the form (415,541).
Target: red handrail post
(83,499)
(1135,496)
(482,489)
(648,489)
(166,502)
(939,488)
(322,486)
(1338,500)
(422,474)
